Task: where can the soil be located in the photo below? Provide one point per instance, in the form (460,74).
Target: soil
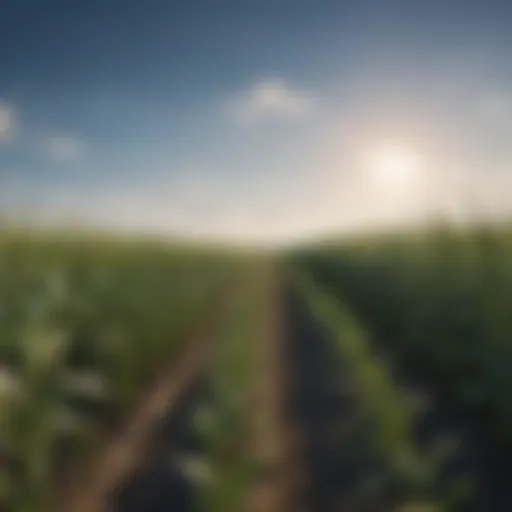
(273,441)
(322,415)
(304,408)
(124,451)
(160,484)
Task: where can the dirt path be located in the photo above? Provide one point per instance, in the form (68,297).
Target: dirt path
(120,455)
(273,441)
(161,483)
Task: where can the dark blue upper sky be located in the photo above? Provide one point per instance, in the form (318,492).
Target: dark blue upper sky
(142,98)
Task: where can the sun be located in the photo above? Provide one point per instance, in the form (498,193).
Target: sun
(394,165)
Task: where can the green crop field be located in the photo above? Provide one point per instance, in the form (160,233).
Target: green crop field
(395,369)
(86,323)
(433,309)
(441,300)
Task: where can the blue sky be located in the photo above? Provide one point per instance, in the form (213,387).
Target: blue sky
(254,119)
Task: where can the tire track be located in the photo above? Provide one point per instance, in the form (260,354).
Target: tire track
(128,457)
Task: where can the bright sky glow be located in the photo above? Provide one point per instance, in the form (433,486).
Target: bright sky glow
(395,165)
(254,120)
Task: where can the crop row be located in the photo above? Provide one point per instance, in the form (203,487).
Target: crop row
(381,430)
(85,324)
(225,417)
(442,300)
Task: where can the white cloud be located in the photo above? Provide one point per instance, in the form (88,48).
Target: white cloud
(7,121)
(273,98)
(64,148)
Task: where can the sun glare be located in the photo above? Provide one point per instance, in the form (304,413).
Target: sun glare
(395,165)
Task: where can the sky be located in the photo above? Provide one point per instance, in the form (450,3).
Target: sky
(264,120)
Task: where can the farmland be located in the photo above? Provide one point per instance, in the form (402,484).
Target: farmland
(423,326)
(366,374)
(86,324)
